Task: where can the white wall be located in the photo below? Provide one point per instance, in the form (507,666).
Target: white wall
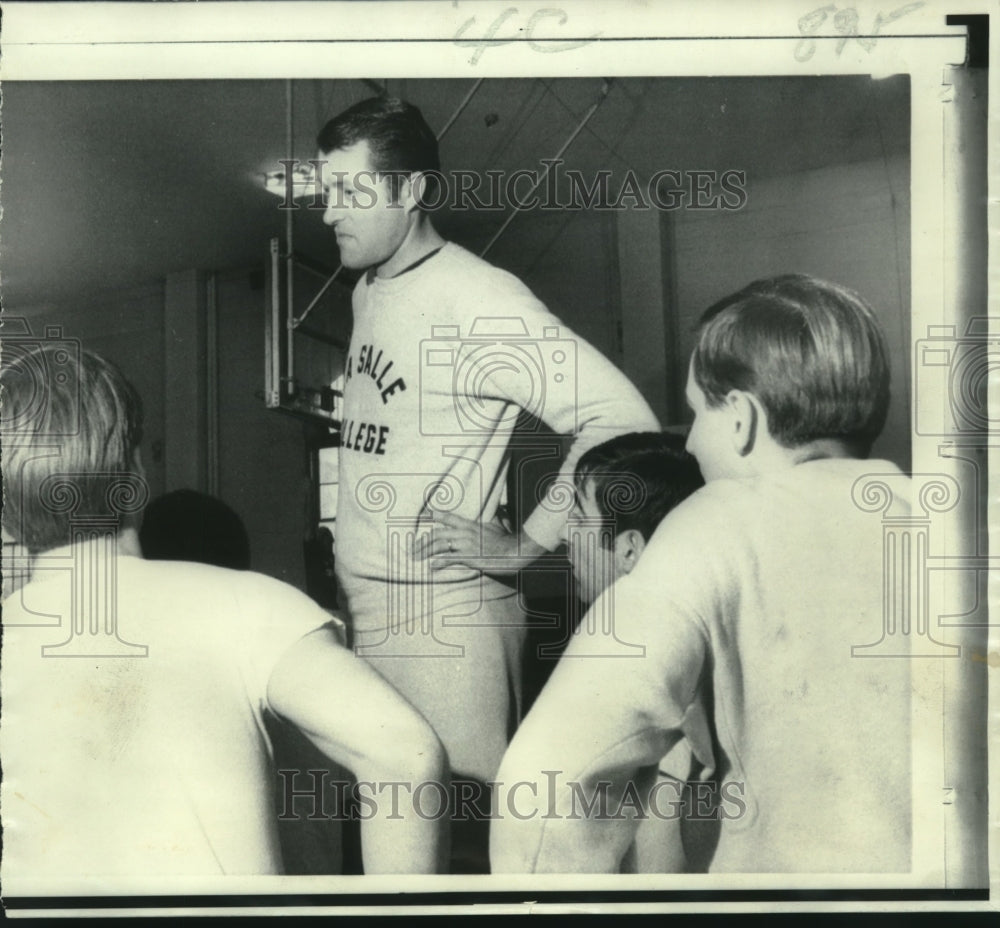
(848,224)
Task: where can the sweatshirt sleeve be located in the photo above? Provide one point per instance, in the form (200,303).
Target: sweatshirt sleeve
(576,392)
(623,695)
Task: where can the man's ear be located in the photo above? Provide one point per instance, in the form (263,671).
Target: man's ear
(629,546)
(412,190)
(745,418)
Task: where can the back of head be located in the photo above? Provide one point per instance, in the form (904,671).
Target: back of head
(398,137)
(71,426)
(636,479)
(186,525)
(810,351)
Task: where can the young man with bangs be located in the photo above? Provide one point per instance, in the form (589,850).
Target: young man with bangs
(623,488)
(747,602)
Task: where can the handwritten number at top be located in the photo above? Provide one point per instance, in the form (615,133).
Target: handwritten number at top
(489,40)
(845,25)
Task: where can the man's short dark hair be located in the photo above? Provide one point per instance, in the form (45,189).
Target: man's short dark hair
(399,139)
(71,418)
(810,351)
(638,478)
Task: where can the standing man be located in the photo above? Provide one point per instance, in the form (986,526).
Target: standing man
(446,353)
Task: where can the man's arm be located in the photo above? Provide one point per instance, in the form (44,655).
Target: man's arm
(591,401)
(488,547)
(355,717)
(584,396)
(591,744)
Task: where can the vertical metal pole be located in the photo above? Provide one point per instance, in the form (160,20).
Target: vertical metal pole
(288,387)
(272,332)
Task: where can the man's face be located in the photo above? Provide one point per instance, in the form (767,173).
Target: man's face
(369,227)
(594,565)
(710,437)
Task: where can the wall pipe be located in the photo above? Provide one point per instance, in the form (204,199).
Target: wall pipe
(605,87)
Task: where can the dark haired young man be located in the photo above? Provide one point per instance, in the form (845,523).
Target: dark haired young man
(623,489)
(446,352)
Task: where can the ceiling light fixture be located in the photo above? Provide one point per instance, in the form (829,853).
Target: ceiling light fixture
(303,181)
